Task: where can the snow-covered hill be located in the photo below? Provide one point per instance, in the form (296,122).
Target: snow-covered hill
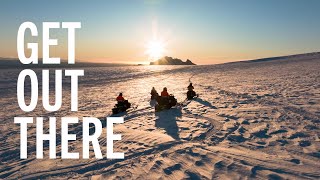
(251,120)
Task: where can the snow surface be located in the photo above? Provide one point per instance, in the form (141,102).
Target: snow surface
(251,120)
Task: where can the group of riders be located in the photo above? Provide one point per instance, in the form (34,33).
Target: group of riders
(164,101)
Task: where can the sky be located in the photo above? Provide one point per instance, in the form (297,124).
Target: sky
(205,31)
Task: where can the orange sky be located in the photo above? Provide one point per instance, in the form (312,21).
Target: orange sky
(207,32)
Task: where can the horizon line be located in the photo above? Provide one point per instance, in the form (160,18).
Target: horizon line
(148,63)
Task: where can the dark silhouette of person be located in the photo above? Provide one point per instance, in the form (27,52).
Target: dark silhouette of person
(190,87)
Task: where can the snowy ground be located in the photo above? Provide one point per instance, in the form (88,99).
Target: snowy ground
(254,120)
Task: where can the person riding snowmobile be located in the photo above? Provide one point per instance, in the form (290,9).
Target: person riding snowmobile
(190,94)
(190,87)
(154,93)
(122,105)
(166,101)
(120,98)
(164,93)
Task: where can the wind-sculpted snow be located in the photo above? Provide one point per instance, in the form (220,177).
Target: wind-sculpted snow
(251,120)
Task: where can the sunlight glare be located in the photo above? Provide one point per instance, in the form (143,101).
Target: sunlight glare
(155,49)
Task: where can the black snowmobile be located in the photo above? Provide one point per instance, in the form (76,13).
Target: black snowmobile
(191,94)
(121,107)
(165,103)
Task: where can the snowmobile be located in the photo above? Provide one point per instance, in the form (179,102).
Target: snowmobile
(165,103)
(121,107)
(191,94)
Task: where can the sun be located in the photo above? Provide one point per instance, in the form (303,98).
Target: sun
(155,49)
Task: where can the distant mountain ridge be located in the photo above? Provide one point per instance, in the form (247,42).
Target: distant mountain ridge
(171,61)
